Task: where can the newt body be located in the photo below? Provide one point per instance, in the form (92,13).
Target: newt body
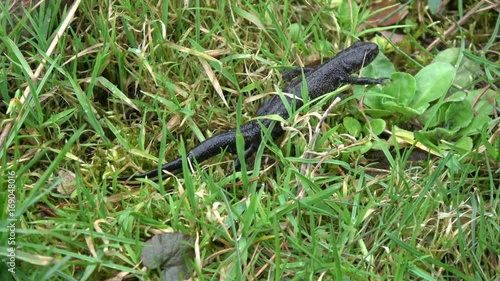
(324,79)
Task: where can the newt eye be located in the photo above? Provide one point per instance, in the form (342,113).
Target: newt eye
(371,55)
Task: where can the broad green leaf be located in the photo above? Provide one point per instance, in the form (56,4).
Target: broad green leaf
(463,145)
(373,100)
(433,82)
(352,126)
(169,251)
(449,55)
(366,147)
(484,103)
(373,97)
(407,112)
(458,115)
(435,7)
(402,88)
(378,112)
(437,134)
(362,148)
(456,97)
(434,116)
(453,163)
(432,119)
(476,125)
(376,126)
(467,71)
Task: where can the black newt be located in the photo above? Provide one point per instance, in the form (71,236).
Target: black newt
(321,80)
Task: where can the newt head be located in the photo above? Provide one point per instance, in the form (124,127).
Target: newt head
(359,55)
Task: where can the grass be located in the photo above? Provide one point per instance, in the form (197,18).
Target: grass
(132,85)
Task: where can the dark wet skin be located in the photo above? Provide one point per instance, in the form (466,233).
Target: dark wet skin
(324,79)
